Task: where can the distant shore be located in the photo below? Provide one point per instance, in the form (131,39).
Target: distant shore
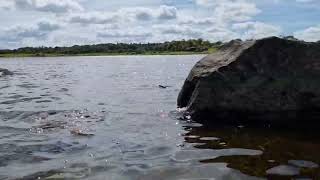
(182,47)
(15,55)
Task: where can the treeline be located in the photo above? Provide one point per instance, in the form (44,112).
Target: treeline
(193,45)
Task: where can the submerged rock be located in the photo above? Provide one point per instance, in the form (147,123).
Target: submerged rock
(81,132)
(284,170)
(303,164)
(5,72)
(269,79)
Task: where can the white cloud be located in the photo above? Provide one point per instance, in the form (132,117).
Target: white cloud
(95,21)
(236,11)
(231,10)
(197,21)
(92,18)
(38,31)
(125,15)
(211,2)
(179,31)
(305,1)
(256,30)
(221,35)
(311,34)
(53,6)
(128,35)
(167,12)
(5,4)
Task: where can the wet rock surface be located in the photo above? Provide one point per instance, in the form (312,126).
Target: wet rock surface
(270,79)
(5,72)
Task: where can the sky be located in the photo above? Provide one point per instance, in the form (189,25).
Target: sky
(69,22)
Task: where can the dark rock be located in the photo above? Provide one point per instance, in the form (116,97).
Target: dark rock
(163,87)
(52,113)
(267,79)
(5,72)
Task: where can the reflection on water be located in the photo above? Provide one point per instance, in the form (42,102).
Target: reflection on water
(286,153)
(107,117)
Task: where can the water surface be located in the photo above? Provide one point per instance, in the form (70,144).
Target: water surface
(106,118)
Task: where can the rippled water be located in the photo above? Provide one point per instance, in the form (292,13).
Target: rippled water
(106,118)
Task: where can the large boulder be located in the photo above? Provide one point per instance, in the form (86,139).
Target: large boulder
(270,79)
(5,72)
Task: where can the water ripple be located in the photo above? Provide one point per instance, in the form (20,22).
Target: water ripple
(98,117)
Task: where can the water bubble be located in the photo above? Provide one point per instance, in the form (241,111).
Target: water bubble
(43,115)
(210,139)
(39,130)
(180,145)
(181,109)
(192,137)
(241,126)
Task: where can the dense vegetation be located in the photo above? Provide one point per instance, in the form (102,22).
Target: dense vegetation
(173,47)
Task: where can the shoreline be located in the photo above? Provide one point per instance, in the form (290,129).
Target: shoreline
(102,54)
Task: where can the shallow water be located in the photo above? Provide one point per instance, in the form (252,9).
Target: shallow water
(106,118)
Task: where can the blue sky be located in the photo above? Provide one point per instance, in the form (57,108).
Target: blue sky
(69,22)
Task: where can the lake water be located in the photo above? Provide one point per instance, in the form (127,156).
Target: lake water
(107,118)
